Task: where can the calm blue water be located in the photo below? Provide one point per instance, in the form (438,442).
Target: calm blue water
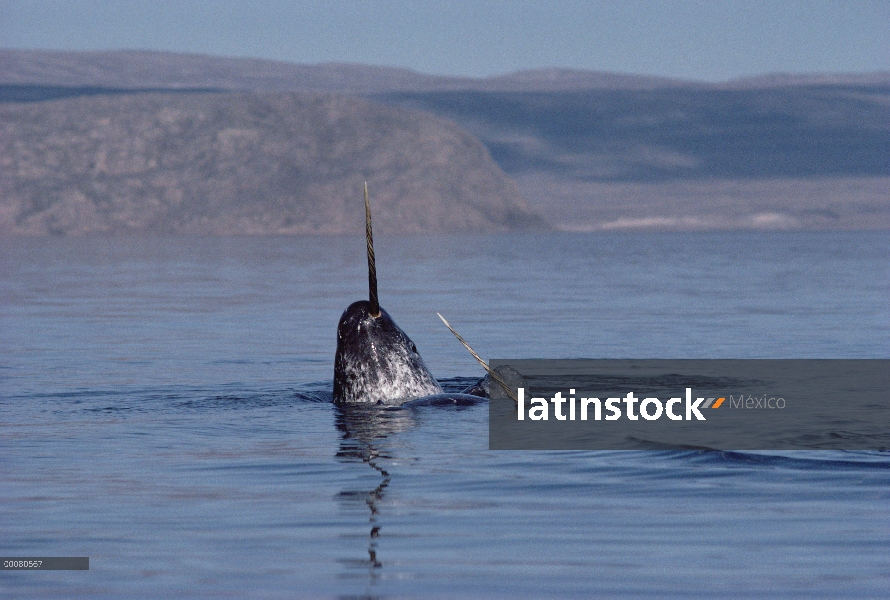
(165,410)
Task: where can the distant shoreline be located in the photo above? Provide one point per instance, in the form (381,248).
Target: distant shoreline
(129,142)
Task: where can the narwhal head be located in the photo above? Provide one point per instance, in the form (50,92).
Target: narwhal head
(376,361)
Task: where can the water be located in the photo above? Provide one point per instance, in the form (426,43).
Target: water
(165,410)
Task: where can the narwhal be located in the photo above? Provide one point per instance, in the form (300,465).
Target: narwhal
(376,362)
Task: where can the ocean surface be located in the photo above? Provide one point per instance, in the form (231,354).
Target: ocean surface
(165,409)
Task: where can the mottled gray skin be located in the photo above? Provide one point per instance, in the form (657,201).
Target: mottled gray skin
(376,362)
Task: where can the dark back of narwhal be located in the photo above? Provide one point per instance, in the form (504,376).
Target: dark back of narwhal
(376,361)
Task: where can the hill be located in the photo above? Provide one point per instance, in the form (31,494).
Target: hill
(220,163)
(677,133)
(143,69)
(590,150)
(758,155)
(146,69)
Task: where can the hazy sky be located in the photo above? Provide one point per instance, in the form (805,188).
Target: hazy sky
(709,39)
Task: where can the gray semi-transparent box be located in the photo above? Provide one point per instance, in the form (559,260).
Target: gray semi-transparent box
(788,404)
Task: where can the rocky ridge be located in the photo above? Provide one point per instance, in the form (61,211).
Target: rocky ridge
(251,163)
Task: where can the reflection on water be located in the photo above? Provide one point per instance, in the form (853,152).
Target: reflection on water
(364,430)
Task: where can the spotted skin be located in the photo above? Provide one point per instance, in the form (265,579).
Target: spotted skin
(376,361)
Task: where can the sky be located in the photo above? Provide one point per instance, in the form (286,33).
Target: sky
(712,40)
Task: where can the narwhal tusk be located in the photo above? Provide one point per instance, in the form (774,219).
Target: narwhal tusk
(372,266)
(485,366)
